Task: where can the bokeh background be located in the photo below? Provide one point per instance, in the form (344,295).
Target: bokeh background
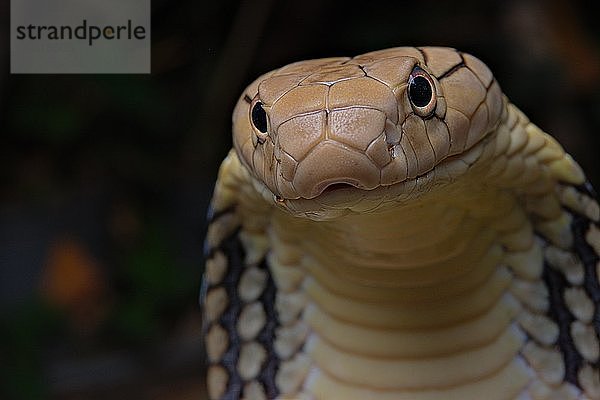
(105,180)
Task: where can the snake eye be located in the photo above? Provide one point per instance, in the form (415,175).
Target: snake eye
(421,92)
(259,117)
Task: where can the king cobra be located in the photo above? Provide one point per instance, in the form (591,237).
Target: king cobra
(391,226)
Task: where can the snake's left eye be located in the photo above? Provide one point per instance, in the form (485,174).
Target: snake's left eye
(421,92)
(259,117)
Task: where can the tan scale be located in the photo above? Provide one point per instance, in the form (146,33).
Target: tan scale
(252,284)
(254,391)
(580,304)
(252,356)
(251,321)
(407,234)
(216,268)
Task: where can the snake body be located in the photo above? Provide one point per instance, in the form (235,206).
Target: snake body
(390,226)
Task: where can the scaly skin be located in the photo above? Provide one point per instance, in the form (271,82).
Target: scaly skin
(470,271)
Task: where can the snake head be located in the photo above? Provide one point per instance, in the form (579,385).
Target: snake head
(361,125)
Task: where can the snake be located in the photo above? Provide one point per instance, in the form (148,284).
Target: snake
(391,226)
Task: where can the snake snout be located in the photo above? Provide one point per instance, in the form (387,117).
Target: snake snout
(333,165)
(341,146)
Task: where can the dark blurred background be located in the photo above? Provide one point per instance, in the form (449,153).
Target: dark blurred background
(105,179)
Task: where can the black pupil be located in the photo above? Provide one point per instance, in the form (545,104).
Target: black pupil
(259,117)
(420,91)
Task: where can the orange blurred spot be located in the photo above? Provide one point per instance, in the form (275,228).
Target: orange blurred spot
(72,280)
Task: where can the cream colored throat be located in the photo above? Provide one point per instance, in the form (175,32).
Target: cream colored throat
(411,300)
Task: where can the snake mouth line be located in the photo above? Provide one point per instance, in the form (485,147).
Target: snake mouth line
(339,186)
(345,197)
(348,187)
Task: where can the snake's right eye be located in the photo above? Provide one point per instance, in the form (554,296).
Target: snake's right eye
(259,117)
